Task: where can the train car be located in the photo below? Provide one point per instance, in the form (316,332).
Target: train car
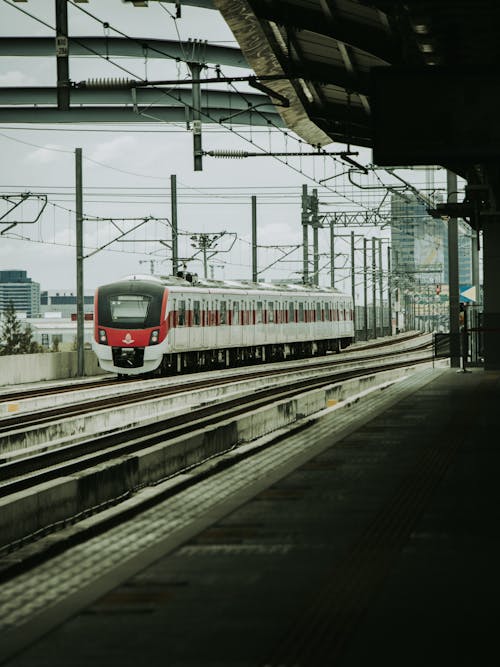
(154,325)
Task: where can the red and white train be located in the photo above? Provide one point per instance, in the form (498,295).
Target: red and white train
(167,325)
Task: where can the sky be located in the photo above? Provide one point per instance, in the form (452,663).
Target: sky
(127,170)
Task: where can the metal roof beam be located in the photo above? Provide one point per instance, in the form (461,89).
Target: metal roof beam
(118,114)
(35,96)
(372,39)
(119,46)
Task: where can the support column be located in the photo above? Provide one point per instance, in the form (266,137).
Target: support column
(353,282)
(196,111)
(389,290)
(475,321)
(305,241)
(491,270)
(454,296)
(254,239)
(381,287)
(79,265)
(62,55)
(374,288)
(365,286)
(173,207)
(315,226)
(332,254)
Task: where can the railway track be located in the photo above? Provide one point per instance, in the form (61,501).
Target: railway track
(19,474)
(47,389)
(108,468)
(129,392)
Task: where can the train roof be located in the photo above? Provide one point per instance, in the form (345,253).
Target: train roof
(230,285)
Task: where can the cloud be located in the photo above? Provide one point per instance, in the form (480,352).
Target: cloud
(46,154)
(116,152)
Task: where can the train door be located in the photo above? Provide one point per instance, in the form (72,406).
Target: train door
(291,327)
(223,328)
(259,321)
(235,326)
(195,330)
(301,321)
(270,328)
(181,328)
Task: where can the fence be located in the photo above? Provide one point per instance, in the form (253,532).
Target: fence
(469,341)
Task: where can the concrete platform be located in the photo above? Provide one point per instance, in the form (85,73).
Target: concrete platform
(383,548)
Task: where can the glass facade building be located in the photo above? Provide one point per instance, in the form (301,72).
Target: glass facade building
(24,293)
(419,262)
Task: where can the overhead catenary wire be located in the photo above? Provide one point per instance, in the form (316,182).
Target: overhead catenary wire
(359,202)
(166,92)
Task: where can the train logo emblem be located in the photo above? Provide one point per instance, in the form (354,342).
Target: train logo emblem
(128,340)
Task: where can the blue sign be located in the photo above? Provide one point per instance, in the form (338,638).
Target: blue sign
(467,294)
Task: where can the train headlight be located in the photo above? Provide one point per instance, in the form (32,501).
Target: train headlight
(153,339)
(103,339)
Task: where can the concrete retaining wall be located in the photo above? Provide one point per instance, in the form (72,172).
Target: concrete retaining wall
(22,368)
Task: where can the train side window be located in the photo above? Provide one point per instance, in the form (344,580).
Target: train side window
(223,312)
(181,313)
(259,317)
(196,313)
(318,311)
(301,312)
(327,311)
(291,311)
(270,311)
(236,312)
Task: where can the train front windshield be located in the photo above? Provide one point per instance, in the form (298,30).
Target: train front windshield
(126,308)
(136,307)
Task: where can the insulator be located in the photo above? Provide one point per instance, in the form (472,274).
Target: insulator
(228,154)
(109,83)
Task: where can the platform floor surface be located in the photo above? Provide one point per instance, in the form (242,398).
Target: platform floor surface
(384,549)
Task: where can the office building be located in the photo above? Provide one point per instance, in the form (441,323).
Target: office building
(23,292)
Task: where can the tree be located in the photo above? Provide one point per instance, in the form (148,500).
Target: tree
(13,338)
(56,341)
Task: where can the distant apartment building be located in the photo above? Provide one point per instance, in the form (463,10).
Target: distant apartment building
(23,292)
